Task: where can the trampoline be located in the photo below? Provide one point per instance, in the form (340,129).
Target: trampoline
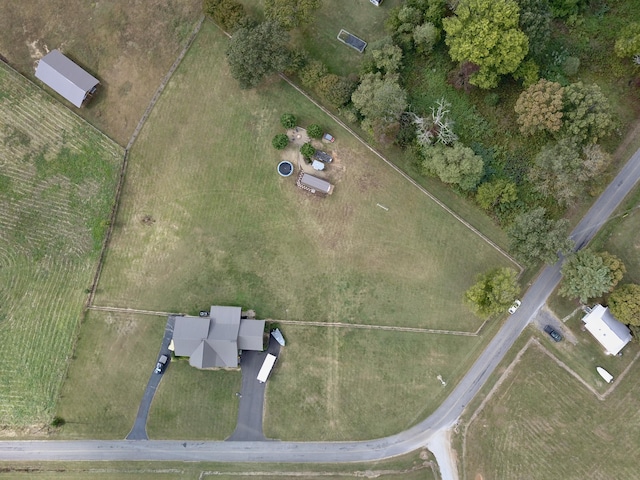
(351,40)
(285,168)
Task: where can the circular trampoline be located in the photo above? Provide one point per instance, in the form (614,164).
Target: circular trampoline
(285,168)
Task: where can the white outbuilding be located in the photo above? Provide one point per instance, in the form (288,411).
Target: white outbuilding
(66,78)
(609,332)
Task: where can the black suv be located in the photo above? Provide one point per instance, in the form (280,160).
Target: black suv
(553,333)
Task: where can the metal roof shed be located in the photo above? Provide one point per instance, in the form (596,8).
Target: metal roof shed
(65,77)
(316,183)
(609,332)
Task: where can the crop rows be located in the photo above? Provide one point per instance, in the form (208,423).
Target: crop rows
(57,178)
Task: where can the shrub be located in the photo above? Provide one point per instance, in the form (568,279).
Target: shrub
(226,13)
(336,90)
(570,66)
(492,99)
(307,151)
(280,141)
(58,421)
(314,130)
(288,120)
(312,72)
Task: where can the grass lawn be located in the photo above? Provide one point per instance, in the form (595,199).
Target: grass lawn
(194,404)
(57,183)
(128,46)
(542,424)
(114,357)
(416,465)
(325,379)
(226,229)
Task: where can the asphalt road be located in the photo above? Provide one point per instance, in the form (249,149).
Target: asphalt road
(327,452)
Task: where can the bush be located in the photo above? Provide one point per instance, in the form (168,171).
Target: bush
(307,151)
(570,66)
(58,421)
(288,120)
(226,13)
(280,141)
(314,130)
(492,99)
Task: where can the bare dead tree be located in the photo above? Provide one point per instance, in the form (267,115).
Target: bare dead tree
(438,127)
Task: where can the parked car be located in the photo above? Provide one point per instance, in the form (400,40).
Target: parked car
(515,306)
(553,333)
(328,138)
(204,313)
(162,363)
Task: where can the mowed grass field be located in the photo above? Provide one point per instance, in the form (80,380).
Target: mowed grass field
(542,424)
(114,357)
(206,219)
(57,182)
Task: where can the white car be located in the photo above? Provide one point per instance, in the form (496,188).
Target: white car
(514,307)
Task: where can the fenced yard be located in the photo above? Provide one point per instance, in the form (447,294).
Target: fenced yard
(57,179)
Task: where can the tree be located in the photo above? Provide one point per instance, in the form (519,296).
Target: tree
(624,304)
(585,275)
(256,51)
(290,13)
(288,120)
(561,171)
(587,112)
(380,99)
(533,237)
(314,130)
(539,107)
(401,22)
(312,72)
(493,292)
(425,37)
(280,141)
(226,13)
(335,90)
(457,165)
(628,43)
(486,33)
(307,150)
(615,266)
(535,22)
(437,127)
(496,194)
(387,58)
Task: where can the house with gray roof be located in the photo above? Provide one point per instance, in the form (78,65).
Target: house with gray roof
(214,341)
(66,78)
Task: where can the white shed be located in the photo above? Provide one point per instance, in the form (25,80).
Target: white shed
(609,332)
(66,78)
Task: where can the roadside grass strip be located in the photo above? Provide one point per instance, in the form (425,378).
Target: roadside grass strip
(57,176)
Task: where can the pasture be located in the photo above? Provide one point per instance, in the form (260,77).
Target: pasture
(205,219)
(128,46)
(543,424)
(57,181)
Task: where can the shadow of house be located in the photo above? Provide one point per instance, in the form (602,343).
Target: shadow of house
(66,78)
(215,341)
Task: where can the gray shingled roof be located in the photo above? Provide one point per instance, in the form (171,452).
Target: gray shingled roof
(65,77)
(214,341)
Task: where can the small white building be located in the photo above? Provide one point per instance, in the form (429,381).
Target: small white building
(609,332)
(66,78)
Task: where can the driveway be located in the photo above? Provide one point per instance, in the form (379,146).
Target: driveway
(249,426)
(139,430)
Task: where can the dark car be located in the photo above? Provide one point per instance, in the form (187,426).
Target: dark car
(553,333)
(162,363)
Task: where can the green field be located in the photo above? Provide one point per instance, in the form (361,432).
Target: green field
(57,180)
(542,424)
(114,357)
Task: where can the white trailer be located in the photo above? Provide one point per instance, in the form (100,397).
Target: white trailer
(266,368)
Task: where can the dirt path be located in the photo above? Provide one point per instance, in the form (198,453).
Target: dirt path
(440,445)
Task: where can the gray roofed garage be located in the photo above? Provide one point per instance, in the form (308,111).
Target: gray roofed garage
(65,77)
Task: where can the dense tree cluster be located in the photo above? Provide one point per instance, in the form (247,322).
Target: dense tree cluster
(487,34)
(290,13)
(624,304)
(587,274)
(227,13)
(493,292)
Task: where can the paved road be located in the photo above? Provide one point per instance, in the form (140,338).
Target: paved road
(249,426)
(311,452)
(139,430)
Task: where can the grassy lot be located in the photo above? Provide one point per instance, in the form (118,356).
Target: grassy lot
(226,229)
(326,378)
(541,423)
(129,46)
(114,357)
(416,465)
(194,404)
(57,181)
